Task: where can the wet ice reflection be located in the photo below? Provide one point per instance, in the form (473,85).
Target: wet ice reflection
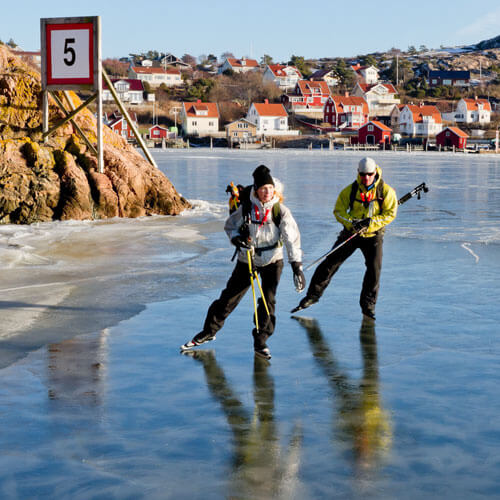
(260,467)
(360,421)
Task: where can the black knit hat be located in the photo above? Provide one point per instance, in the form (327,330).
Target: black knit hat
(262,176)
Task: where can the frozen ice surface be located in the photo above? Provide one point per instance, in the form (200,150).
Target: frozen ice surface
(97,402)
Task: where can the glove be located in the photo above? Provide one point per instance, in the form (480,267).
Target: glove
(299,280)
(360,224)
(240,242)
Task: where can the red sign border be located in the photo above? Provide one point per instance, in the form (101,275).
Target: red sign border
(69,81)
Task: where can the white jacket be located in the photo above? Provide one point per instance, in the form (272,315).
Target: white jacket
(266,233)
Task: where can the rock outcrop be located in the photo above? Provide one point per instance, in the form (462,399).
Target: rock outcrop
(59,180)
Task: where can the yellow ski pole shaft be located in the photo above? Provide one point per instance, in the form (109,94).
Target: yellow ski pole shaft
(261,292)
(253,290)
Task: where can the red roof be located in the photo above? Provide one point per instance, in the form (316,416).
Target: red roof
(352,100)
(366,87)
(419,112)
(266,109)
(277,70)
(201,109)
(306,87)
(378,124)
(456,131)
(237,63)
(133,83)
(472,104)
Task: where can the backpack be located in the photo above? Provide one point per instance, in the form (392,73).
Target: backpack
(379,194)
(239,195)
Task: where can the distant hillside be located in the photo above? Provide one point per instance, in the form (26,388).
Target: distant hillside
(492,43)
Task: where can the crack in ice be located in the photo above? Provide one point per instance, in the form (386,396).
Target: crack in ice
(466,247)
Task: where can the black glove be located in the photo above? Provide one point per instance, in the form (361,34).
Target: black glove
(299,280)
(360,224)
(241,242)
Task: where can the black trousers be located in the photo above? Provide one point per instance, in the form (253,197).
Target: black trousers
(372,251)
(236,287)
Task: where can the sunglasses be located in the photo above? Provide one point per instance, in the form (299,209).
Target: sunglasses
(364,174)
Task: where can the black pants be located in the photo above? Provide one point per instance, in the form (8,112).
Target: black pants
(372,251)
(236,287)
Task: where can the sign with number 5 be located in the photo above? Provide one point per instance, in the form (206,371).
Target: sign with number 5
(70,53)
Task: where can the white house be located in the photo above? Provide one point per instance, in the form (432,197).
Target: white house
(473,111)
(128,90)
(395,116)
(381,97)
(271,119)
(156,76)
(422,121)
(199,118)
(285,77)
(239,65)
(366,74)
(326,75)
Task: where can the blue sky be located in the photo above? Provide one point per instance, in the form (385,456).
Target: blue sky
(257,27)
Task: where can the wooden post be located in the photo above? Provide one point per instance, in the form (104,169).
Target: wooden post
(45,115)
(127,117)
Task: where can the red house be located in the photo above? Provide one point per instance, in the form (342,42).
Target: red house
(345,112)
(307,96)
(452,136)
(158,132)
(117,123)
(374,132)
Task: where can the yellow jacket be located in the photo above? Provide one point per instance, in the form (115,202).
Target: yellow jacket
(380,215)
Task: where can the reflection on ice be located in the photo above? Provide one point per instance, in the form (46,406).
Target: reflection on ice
(261,469)
(363,423)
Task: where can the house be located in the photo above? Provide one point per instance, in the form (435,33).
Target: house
(199,118)
(381,97)
(307,96)
(270,119)
(452,137)
(374,132)
(171,60)
(118,124)
(421,120)
(239,65)
(327,75)
(158,132)
(449,78)
(346,112)
(33,57)
(156,76)
(366,74)
(128,90)
(395,116)
(241,130)
(285,77)
(473,111)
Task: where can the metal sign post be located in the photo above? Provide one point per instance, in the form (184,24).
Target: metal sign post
(71,60)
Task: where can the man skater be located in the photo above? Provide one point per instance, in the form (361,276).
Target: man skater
(262,225)
(365,207)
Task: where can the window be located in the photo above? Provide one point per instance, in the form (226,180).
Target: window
(370,128)
(210,124)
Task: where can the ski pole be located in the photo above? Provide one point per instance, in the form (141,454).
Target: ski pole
(253,290)
(261,292)
(414,192)
(334,249)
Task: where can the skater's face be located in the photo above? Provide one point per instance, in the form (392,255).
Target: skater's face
(265,193)
(367,179)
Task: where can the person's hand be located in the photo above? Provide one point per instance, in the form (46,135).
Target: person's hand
(360,224)
(299,280)
(241,242)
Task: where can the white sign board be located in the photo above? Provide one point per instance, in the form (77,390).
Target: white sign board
(70,53)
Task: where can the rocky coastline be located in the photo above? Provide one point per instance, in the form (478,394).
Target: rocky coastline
(59,179)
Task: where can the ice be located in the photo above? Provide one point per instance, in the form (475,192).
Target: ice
(96,400)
